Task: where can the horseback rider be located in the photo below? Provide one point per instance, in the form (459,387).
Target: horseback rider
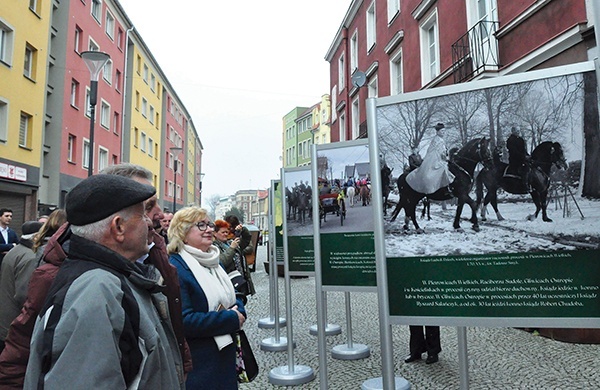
(518,158)
(433,173)
(414,160)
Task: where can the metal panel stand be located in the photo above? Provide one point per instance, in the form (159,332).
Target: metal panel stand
(330,329)
(269,322)
(350,350)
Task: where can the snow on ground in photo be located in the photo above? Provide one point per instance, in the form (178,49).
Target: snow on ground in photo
(514,234)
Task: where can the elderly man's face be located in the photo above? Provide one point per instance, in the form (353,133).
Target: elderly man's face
(135,243)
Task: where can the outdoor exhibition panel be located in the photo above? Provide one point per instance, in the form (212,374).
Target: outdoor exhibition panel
(296,198)
(347,250)
(512,270)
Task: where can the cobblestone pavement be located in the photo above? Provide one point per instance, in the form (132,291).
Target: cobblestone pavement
(499,358)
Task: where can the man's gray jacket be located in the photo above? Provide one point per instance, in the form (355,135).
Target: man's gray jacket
(104,326)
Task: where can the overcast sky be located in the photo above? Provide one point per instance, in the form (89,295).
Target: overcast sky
(239,67)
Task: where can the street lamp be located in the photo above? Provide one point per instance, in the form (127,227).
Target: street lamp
(201,177)
(175,150)
(95,61)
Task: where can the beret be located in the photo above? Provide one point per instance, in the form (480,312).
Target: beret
(100,196)
(31,227)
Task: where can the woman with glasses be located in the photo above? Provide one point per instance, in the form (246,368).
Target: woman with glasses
(211,312)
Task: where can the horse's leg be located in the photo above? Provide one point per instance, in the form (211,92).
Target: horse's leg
(396,211)
(428,209)
(459,208)
(413,211)
(544,204)
(535,196)
(473,219)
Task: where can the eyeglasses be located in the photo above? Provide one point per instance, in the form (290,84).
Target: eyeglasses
(203,225)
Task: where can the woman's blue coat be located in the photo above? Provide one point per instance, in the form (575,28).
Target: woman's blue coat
(213,369)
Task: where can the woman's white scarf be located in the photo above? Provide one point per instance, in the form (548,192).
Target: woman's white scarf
(214,281)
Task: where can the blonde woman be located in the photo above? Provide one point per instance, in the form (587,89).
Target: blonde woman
(211,312)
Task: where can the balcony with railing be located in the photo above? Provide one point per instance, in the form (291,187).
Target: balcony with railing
(475,52)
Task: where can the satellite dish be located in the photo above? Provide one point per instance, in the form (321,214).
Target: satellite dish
(359,79)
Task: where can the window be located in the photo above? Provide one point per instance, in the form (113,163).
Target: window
(102,158)
(355,119)
(396,83)
(120,38)
(373,89)
(371,27)
(118,78)
(341,73)
(342,127)
(137,100)
(97,9)
(105,115)
(354,52)
(170,189)
(116,123)
(3,120)
(139,65)
(109,25)
(86,153)
(151,116)
(93,46)
(430,66)
(145,75)
(393,8)
(33,5)
(77,40)
(71,148)
(74,92)
(157,121)
(88,111)
(6,43)
(136,136)
(153,82)
(107,71)
(170,160)
(143,142)
(29,66)
(150,147)
(144,107)
(25,130)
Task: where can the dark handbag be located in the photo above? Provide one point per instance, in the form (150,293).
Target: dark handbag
(245,362)
(239,283)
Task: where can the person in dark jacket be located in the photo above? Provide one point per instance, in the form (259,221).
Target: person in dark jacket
(105,322)
(17,266)
(8,237)
(518,158)
(211,311)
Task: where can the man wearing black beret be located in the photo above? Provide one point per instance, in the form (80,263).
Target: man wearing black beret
(103,322)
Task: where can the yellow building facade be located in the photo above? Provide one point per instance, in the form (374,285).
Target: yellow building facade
(24,37)
(23,66)
(146,113)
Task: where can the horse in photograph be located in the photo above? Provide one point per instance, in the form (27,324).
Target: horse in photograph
(351,194)
(365,194)
(303,205)
(292,205)
(462,165)
(386,180)
(543,157)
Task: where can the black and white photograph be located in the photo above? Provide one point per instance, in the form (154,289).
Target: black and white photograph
(344,188)
(298,200)
(492,170)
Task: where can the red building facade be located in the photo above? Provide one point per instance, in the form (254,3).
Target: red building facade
(409,45)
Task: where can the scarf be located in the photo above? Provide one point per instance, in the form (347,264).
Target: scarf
(213,280)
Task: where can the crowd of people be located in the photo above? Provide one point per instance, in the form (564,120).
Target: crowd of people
(112,292)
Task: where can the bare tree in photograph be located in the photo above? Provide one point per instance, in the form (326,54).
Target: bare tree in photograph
(500,103)
(460,109)
(405,125)
(546,111)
